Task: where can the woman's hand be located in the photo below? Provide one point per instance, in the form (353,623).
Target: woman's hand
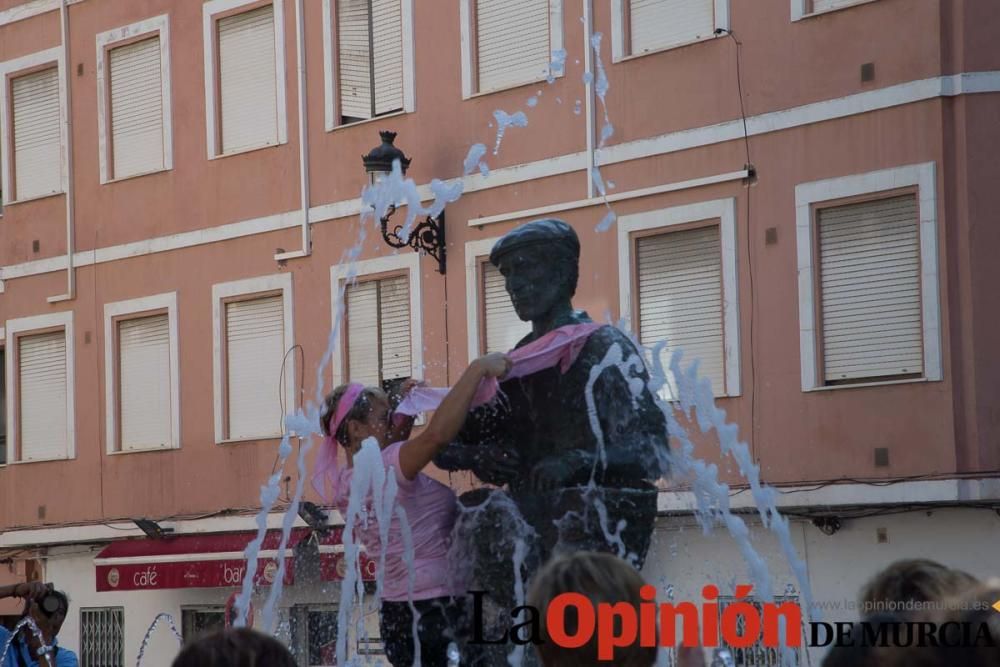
(495,364)
(408,385)
(30,590)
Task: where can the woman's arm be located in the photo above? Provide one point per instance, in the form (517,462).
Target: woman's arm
(448,418)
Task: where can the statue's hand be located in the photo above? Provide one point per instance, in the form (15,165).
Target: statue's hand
(552,473)
(498,465)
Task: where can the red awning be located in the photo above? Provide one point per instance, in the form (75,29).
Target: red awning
(212,561)
(191,561)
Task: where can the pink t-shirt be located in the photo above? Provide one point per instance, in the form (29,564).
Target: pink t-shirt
(431,510)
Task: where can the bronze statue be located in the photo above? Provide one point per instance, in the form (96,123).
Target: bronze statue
(540,442)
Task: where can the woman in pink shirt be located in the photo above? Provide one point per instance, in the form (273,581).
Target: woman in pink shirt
(353,413)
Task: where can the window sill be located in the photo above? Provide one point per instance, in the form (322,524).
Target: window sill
(146,450)
(14,202)
(835,9)
(368,121)
(139,175)
(862,385)
(21,463)
(533,82)
(249,438)
(244,151)
(663,49)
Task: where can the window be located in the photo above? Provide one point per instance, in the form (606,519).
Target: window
(644,26)
(142,374)
(869,268)
(380,333)
(102,637)
(133,81)
(868,278)
(370,58)
(378,330)
(804,8)
(314,634)
(33,134)
(502,328)
(245,76)
(200,621)
(40,400)
(255,383)
(758,655)
(677,273)
(508,43)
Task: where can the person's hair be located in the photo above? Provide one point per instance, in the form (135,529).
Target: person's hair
(359,412)
(600,577)
(239,647)
(912,580)
(63,603)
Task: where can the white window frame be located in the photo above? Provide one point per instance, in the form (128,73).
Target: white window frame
(331,67)
(474,253)
(466,14)
(113,313)
(11,69)
(212,11)
(26,325)
(248,287)
(157,26)
(340,273)
(800,8)
(807,195)
(619,27)
(724,210)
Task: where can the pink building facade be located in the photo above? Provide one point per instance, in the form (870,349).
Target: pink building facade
(804,193)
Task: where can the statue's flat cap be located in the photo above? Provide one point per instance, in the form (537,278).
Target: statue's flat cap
(538,232)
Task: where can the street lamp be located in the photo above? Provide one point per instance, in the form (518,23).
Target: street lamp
(426,236)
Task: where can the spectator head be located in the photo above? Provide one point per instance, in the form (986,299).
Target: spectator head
(912,581)
(600,578)
(238,647)
(49,613)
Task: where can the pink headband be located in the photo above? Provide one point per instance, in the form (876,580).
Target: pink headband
(326,465)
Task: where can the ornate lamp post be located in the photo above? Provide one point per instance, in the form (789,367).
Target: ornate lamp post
(426,236)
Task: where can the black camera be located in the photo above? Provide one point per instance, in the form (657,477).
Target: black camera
(51,602)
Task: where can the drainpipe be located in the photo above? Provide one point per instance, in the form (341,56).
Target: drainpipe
(588,66)
(300,48)
(68,129)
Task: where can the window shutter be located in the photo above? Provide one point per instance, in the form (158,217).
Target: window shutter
(823,5)
(144,383)
(136,108)
(657,24)
(394,332)
(355,58)
(362,333)
(42,394)
(504,329)
(102,636)
(248,85)
(513,42)
(37,145)
(680,298)
(387,35)
(255,346)
(870,286)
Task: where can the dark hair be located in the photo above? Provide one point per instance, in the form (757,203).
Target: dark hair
(359,412)
(602,578)
(239,647)
(916,580)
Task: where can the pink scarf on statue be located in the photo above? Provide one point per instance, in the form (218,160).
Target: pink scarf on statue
(560,347)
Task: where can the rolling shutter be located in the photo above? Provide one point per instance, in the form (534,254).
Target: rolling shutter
(37,145)
(255,345)
(136,108)
(870,287)
(680,298)
(356,37)
(145,407)
(43,396)
(513,42)
(378,330)
(504,329)
(657,24)
(247,80)
(823,5)
(394,329)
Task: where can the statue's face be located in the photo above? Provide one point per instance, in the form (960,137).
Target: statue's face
(535,281)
